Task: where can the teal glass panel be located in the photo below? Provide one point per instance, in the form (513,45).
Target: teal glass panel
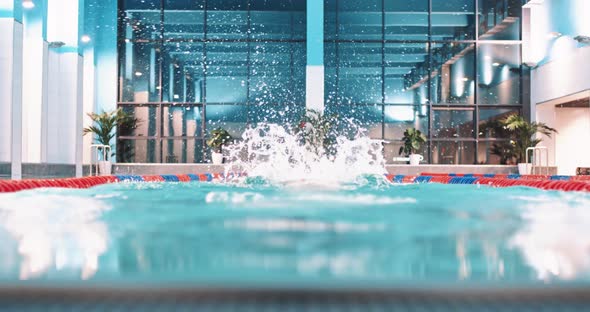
(498,73)
(453,153)
(453,123)
(406,20)
(184,20)
(453,20)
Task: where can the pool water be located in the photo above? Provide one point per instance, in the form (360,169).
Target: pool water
(256,233)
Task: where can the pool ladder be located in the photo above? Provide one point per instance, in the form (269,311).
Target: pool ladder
(537,161)
(106,150)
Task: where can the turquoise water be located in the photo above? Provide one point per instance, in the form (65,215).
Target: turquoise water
(257,233)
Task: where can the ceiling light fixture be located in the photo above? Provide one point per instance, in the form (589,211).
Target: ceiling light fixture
(496,64)
(28,4)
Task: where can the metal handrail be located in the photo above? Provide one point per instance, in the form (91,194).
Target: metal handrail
(538,150)
(98,147)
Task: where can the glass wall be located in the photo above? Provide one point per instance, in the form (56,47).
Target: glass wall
(450,68)
(188,66)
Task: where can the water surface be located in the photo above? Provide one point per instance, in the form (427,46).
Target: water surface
(296,234)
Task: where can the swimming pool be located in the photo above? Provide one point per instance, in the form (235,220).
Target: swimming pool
(252,233)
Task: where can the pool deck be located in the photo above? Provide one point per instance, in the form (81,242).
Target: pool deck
(66,170)
(459,169)
(154,169)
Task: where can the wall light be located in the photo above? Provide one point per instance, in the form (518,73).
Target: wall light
(28,4)
(85,39)
(554,34)
(582,39)
(138,74)
(56,44)
(496,64)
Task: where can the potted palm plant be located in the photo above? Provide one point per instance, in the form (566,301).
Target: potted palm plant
(218,138)
(318,132)
(522,135)
(412,142)
(104,131)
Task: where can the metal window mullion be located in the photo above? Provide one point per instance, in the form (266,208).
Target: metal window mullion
(160,121)
(337,51)
(120,54)
(204,91)
(429,86)
(291,49)
(475,79)
(382,69)
(248,62)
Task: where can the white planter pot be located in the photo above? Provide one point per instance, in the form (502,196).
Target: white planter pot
(105,167)
(415,159)
(217,158)
(525,168)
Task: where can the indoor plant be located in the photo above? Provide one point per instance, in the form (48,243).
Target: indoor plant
(218,138)
(318,132)
(522,135)
(412,143)
(104,131)
(126,126)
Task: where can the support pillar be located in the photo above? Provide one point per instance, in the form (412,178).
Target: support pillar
(35,50)
(65,105)
(11,65)
(315,55)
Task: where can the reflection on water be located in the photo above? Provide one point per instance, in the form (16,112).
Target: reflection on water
(256,233)
(52,232)
(555,240)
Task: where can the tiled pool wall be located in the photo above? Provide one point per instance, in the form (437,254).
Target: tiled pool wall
(546,182)
(32,171)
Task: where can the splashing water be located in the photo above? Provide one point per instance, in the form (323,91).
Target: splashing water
(281,156)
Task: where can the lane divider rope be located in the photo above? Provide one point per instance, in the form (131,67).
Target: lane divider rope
(557,183)
(7,186)
(561,183)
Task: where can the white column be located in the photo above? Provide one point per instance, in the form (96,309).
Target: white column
(314,96)
(79,115)
(11,34)
(34,88)
(65,102)
(64,108)
(88,82)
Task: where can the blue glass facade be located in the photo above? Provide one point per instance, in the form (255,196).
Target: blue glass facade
(187,66)
(447,67)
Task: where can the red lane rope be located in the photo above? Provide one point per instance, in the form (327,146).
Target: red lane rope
(575,183)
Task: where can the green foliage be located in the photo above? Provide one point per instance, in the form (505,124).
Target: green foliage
(522,133)
(218,138)
(504,150)
(413,140)
(126,126)
(318,132)
(106,122)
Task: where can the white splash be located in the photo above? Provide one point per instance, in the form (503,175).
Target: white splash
(273,152)
(293,225)
(54,231)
